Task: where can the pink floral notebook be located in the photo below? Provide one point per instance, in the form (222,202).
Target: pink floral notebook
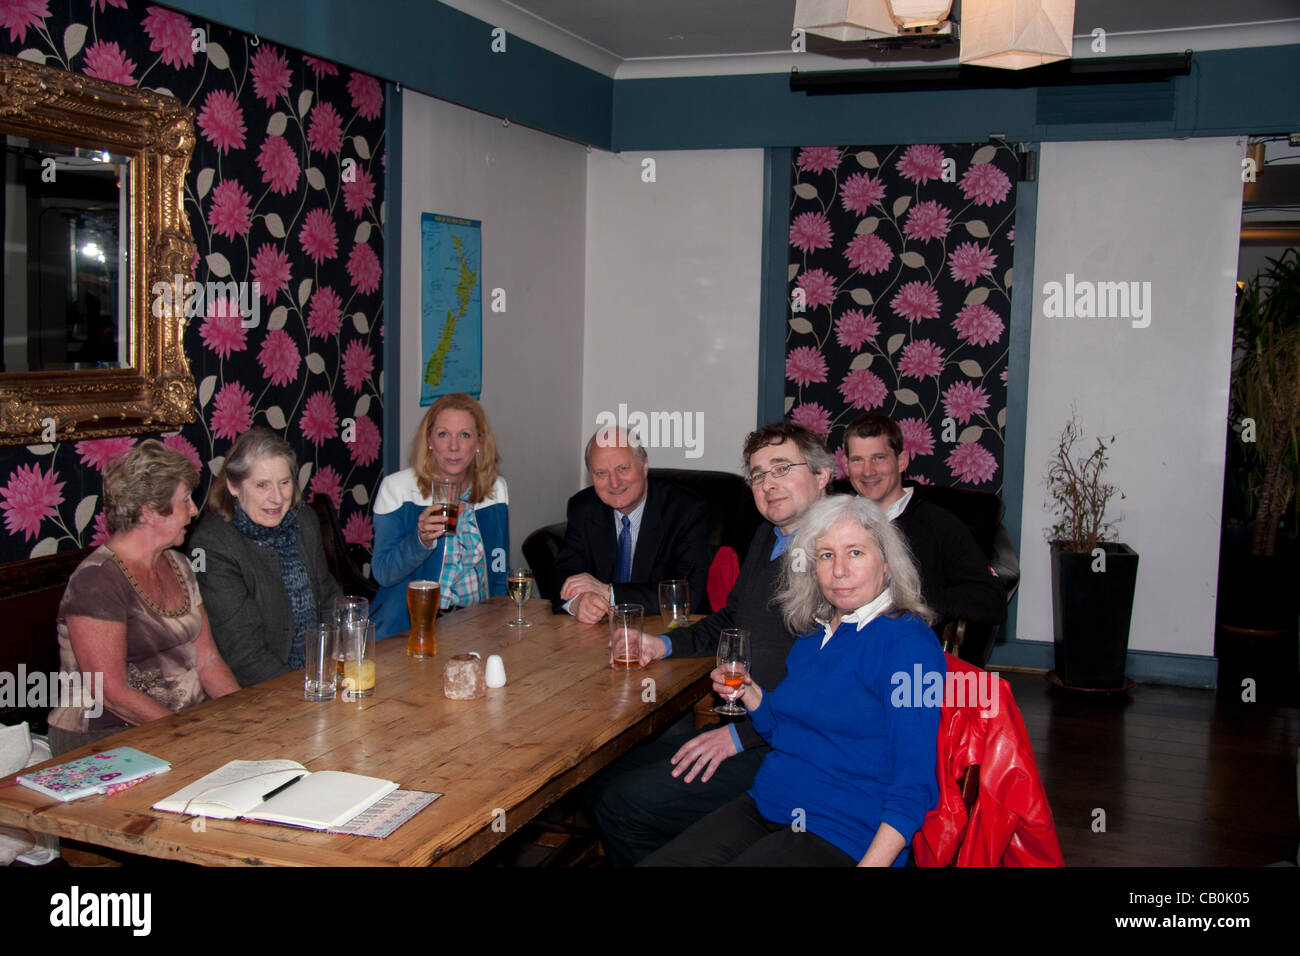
(93,774)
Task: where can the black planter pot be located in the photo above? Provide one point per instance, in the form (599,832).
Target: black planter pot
(1091,611)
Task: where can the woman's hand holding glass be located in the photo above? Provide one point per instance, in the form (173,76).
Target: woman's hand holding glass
(431,526)
(750,693)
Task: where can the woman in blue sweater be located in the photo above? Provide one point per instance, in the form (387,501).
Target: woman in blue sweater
(454,443)
(851,774)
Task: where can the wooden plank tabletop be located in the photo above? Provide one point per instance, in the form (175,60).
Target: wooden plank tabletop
(562,716)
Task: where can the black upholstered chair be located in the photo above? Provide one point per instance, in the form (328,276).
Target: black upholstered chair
(337,557)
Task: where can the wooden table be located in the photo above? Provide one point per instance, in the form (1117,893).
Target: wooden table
(562,716)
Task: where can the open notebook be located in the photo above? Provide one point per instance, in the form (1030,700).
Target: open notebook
(278,791)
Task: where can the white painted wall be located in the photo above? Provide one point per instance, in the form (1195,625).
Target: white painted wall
(1167,212)
(529,191)
(674,272)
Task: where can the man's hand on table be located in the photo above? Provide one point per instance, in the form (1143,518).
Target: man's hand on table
(589,607)
(576,584)
(704,752)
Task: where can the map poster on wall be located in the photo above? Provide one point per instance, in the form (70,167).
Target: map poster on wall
(451,306)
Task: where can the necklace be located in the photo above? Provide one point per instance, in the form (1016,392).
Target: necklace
(145,596)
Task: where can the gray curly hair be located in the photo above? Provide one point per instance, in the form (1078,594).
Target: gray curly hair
(800,596)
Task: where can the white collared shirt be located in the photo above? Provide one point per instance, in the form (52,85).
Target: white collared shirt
(898,507)
(862,616)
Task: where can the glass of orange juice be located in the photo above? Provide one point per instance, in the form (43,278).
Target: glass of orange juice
(358,639)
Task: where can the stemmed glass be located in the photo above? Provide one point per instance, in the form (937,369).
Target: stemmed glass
(734,659)
(519,584)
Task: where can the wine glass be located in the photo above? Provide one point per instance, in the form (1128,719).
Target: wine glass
(674,603)
(520,586)
(734,659)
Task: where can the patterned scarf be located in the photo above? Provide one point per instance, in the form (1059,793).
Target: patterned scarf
(293,575)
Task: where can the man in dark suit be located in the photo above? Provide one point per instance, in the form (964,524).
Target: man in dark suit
(956,579)
(626,533)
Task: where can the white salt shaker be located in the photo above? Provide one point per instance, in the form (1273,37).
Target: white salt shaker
(495,671)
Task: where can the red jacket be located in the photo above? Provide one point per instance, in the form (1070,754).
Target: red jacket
(1010,823)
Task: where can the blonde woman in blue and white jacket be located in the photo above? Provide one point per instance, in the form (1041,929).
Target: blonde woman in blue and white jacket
(454,443)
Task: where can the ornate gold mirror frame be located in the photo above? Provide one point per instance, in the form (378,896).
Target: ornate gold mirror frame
(157,133)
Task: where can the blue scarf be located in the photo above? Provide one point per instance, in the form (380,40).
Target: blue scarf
(293,575)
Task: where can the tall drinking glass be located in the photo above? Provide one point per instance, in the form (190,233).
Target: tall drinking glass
(625,621)
(358,660)
(319,681)
(675,603)
(422,608)
(519,584)
(446,502)
(734,659)
(348,609)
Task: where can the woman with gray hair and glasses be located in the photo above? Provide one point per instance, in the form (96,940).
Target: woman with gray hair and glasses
(851,774)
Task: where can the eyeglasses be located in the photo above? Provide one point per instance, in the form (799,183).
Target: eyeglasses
(776,471)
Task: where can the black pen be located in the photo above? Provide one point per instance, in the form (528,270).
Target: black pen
(284,786)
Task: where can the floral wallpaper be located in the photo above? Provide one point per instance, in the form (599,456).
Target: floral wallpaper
(900,297)
(285,189)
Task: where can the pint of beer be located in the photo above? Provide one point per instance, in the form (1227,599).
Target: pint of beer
(422,606)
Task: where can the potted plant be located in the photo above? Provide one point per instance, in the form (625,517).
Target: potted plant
(1258,599)
(1093,577)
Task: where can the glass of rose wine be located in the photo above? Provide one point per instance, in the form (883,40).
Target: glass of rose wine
(519,584)
(734,659)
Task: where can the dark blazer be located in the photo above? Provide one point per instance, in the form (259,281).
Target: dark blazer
(247,605)
(673,543)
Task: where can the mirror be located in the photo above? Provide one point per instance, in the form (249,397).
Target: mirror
(93,218)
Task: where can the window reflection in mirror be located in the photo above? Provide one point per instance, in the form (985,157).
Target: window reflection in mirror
(65,287)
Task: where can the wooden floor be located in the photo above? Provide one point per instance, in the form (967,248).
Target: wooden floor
(1183,779)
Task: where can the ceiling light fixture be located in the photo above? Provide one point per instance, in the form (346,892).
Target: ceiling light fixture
(1016,34)
(853,20)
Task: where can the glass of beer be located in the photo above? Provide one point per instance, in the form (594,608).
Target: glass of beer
(734,659)
(446,502)
(519,584)
(625,622)
(348,609)
(358,660)
(422,606)
(675,603)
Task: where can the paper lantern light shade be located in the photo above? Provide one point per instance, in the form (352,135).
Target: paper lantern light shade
(1016,34)
(845,20)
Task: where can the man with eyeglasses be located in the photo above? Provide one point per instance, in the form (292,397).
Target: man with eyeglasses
(660,788)
(627,532)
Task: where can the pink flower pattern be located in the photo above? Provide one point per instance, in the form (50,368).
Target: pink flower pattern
(319,421)
(232,411)
(325,131)
(359,193)
(327,482)
(364,445)
(985,185)
(810,231)
(363,268)
(860,192)
(107,61)
(98,452)
(818,159)
(324,313)
(916,301)
(818,288)
(805,365)
(223,328)
(279,357)
(921,163)
(317,236)
(170,35)
(271,270)
(279,165)
(915,259)
(853,329)
(969,261)
(978,324)
(321,67)
(359,529)
(100,530)
(917,437)
(358,363)
(921,359)
(962,401)
(186,448)
(222,121)
(863,389)
(270,74)
(812,417)
(229,215)
(367,96)
(972,463)
(28,498)
(869,254)
(927,220)
(17,15)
